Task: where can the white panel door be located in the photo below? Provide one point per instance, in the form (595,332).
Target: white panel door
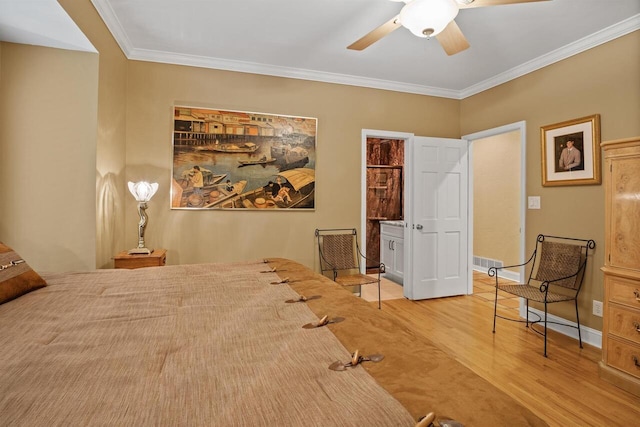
(438,225)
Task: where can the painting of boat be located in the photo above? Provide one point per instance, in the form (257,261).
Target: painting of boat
(296,192)
(209,178)
(262,161)
(212,197)
(244,147)
(224,192)
(290,157)
(182,188)
(249,160)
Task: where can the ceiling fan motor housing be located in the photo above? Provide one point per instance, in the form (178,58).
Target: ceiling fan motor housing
(426,18)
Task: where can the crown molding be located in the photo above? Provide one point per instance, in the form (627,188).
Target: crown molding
(113,24)
(292,73)
(603,36)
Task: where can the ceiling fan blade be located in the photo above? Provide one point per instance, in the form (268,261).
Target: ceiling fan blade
(375,35)
(452,40)
(482,3)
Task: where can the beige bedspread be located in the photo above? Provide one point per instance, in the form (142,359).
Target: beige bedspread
(215,345)
(198,345)
(415,371)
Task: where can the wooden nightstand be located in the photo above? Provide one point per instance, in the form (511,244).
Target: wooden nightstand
(157,258)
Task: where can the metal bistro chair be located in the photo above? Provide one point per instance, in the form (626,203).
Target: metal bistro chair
(340,254)
(557,268)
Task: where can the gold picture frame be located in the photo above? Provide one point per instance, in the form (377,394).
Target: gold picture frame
(571,152)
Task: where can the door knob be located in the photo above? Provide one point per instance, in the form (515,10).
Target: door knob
(419,226)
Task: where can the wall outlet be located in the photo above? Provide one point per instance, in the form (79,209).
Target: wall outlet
(597,308)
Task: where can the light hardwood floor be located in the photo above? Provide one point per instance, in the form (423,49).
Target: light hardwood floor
(564,389)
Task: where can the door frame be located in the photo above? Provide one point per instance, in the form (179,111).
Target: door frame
(408,187)
(374,133)
(517,126)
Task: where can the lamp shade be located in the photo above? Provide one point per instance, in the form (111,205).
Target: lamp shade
(142,190)
(427,18)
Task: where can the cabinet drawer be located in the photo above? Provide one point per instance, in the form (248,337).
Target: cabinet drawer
(392,230)
(624,323)
(624,356)
(623,291)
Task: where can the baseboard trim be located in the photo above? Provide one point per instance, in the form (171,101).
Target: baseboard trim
(589,336)
(505,274)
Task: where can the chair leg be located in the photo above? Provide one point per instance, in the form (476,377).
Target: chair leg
(578,320)
(545,329)
(379,297)
(495,307)
(527,324)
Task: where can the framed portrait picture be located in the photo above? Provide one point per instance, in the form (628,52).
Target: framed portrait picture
(242,160)
(571,152)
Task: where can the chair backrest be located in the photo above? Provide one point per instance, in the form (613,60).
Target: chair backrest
(338,249)
(560,257)
(560,260)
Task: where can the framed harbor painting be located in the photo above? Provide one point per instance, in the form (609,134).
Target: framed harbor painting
(571,152)
(242,160)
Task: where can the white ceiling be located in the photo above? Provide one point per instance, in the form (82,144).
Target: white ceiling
(308,39)
(40,23)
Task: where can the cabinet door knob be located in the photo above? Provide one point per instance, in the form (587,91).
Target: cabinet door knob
(635,362)
(637,326)
(419,226)
(637,294)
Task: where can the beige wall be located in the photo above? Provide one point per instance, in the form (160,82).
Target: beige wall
(496,201)
(111,139)
(342,112)
(602,80)
(48,102)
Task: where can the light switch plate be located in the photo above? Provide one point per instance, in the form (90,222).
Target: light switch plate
(533,202)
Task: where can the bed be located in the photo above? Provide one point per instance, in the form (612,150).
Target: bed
(217,345)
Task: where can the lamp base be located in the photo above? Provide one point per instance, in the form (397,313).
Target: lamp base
(140,251)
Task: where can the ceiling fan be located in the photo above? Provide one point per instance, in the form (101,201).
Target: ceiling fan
(431,18)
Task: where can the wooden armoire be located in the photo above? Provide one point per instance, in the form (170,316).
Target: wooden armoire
(621,323)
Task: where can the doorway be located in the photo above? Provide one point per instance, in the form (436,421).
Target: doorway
(385,194)
(497,199)
(380,162)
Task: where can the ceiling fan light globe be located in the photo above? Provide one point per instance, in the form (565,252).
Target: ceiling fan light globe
(422,16)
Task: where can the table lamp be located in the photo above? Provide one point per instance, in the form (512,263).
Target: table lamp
(143,192)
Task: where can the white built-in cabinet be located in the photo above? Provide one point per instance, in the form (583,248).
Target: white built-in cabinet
(392,249)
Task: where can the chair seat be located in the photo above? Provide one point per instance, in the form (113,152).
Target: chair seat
(340,256)
(533,293)
(355,280)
